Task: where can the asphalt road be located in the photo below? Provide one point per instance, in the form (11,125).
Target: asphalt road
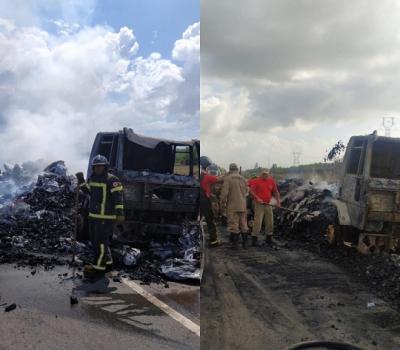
(261,298)
(109,315)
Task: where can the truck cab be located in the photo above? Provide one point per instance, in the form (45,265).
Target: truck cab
(160,179)
(369,194)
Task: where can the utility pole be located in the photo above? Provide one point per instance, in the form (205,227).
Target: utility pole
(388,123)
(296,158)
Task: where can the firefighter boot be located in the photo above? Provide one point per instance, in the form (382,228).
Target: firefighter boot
(109,267)
(270,241)
(244,240)
(235,240)
(91,274)
(254,241)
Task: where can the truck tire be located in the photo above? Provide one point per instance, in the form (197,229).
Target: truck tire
(334,233)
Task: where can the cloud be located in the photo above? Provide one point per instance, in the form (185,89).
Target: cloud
(36,12)
(187,49)
(58,90)
(299,66)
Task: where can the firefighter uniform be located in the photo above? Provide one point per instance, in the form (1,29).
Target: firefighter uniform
(106,206)
(234,193)
(206,210)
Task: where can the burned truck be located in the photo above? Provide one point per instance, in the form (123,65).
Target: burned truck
(368,203)
(160,180)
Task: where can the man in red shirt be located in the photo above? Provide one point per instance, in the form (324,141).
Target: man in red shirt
(262,190)
(206,181)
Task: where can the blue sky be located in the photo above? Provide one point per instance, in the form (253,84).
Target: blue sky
(96,65)
(156,23)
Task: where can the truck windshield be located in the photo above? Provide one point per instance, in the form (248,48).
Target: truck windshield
(385,161)
(182,160)
(159,159)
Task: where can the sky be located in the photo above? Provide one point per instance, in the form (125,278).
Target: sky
(69,69)
(283,76)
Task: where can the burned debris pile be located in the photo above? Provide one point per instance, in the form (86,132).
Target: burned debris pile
(307,228)
(39,219)
(186,264)
(312,209)
(37,223)
(175,259)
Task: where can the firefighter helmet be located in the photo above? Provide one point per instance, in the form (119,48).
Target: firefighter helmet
(99,160)
(205,162)
(213,169)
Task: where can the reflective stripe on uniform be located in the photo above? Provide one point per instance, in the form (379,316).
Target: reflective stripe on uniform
(116,189)
(101,256)
(119,206)
(102,216)
(103,186)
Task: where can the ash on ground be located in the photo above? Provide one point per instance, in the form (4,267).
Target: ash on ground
(37,223)
(307,229)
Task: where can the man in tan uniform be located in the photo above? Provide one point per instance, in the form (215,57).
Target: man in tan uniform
(234,192)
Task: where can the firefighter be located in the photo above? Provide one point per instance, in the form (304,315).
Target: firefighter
(234,193)
(214,189)
(262,190)
(206,210)
(105,208)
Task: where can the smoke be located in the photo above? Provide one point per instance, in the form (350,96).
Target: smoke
(58,90)
(16,179)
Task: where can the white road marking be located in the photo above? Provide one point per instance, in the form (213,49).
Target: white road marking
(193,327)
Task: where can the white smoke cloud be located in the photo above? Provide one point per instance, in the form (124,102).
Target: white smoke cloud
(58,90)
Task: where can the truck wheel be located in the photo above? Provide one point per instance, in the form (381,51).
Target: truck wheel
(334,234)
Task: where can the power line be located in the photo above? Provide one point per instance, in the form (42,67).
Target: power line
(296,158)
(388,123)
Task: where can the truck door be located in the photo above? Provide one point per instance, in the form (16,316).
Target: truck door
(353,184)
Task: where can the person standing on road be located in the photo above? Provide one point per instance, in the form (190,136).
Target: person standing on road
(206,181)
(234,192)
(105,208)
(262,190)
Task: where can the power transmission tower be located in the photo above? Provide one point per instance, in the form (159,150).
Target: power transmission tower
(296,158)
(388,123)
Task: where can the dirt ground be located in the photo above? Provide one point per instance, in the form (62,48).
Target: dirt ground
(261,298)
